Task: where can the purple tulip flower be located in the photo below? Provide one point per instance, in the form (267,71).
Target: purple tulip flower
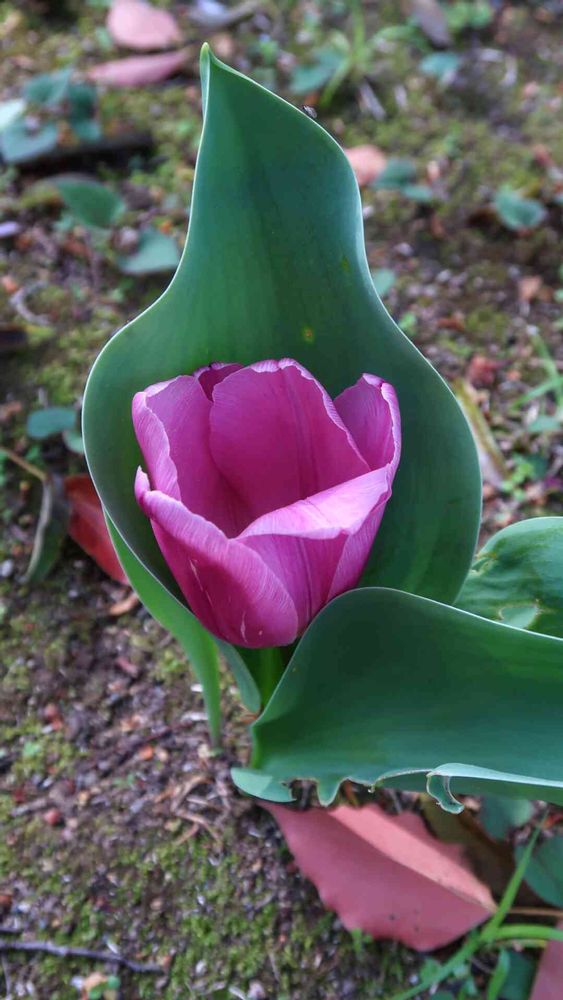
(264,494)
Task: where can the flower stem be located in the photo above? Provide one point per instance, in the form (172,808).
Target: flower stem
(268,672)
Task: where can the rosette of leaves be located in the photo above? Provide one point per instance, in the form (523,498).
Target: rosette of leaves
(390,684)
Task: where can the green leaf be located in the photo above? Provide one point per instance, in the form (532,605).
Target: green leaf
(518,982)
(155,253)
(440,64)
(517,212)
(48,88)
(52,420)
(198,644)
(82,100)
(545,870)
(50,532)
(19,143)
(307,78)
(87,129)
(517,577)
(275,266)
(383,280)
(418,192)
(396,174)
(73,440)
(91,203)
(500,815)
(10,111)
(387,687)
(498,978)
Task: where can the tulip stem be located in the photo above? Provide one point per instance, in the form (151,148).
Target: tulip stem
(268,672)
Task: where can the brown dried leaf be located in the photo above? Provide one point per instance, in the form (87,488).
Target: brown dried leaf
(122,607)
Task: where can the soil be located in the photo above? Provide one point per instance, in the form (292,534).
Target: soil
(120,826)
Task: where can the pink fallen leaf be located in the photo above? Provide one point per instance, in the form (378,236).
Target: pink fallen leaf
(367,162)
(136,71)
(138,25)
(547,984)
(386,875)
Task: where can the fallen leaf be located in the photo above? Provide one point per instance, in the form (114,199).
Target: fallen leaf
(481,370)
(9,284)
(367,162)
(544,873)
(131,669)
(123,607)
(543,156)
(53,817)
(547,984)
(137,71)
(50,531)
(386,875)
(494,469)
(87,526)
(430,17)
(528,287)
(456,321)
(9,410)
(215,15)
(138,25)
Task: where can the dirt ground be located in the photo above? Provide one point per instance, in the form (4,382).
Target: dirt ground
(120,827)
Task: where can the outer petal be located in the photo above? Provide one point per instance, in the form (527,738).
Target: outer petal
(227,586)
(211,375)
(303,543)
(277,438)
(370,411)
(171,421)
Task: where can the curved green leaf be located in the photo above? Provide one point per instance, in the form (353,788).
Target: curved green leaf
(199,645)
(387,687)
(275,266)
(90,202)
(517,577)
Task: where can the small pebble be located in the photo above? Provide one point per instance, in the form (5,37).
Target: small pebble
(256,991)
(6,568)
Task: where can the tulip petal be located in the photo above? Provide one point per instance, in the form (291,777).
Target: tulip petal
(211,375)
(171,422)
(370,411)
(227,585)
(277,437)
(304,543)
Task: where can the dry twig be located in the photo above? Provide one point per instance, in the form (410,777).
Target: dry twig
(66,951)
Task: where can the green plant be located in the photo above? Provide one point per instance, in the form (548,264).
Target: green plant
(29,125)
(390,684)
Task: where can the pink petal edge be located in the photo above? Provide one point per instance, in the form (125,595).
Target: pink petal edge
(227,585)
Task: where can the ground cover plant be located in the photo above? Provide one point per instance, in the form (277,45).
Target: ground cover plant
(45,776)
